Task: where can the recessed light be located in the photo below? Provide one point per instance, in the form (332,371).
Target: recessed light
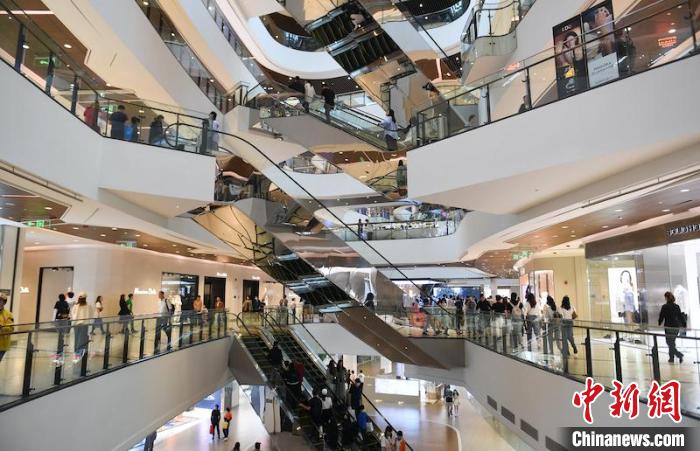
(174,245)
(564,227)
(605,227)
(114,228)
(618,210)
(102,235)
(25,46)
(555,236)
(137,235)
(145,245)
(48,208)
(68,46)
(685,190)
(573,236)
(75,228)
(672,30)
(665,210)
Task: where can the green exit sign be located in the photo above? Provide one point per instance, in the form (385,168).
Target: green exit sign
(38,223)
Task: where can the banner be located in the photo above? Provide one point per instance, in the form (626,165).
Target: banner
(601,54)
(569,59)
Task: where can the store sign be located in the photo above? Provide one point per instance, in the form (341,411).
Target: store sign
(38,223)
(667,42)
(221,274)
(684,229)
(23,290)
(147,291)
(127,243)
(601,51)
(521,255)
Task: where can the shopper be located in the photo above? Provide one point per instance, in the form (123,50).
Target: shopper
(402,178)
(328,101)
(309,94)
(215,420)
(131,131)
(315,408)
(356,396)
(388,439)
(150,441)
(369,301)
(228,416)
(514,310)
(533,315)
(165,310)
(61,309)
(81,316)
(237,447)
(130,305)
(118,120)
(484,309)
(459,315)
(155,134)
(455,402)
(361,377)
(550,319)
(568,314)
(275,355)
(362,420)
(349,432)
(449,400)
(327,405)
(198,310)
(257,446)
(6,324)
(71,300)
(98,316)
(401,442)
(90,115)
(124,314)
(391,131)
(214,127)
(672,318)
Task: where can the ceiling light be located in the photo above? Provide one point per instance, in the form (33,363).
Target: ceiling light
(76,228)
(68,46)
(685,190)
(114,228)
(174,245)
(145,3)
(102,235)
(618,210)
(145,245)
(605,227)
(25,46)
(665,210)
(564,227)
(573,236)
(137,235)
(48,208)
(555,236)
(672,30)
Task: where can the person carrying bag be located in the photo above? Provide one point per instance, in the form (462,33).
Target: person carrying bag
(391,134)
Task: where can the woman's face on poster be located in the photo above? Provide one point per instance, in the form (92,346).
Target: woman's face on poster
(601,17)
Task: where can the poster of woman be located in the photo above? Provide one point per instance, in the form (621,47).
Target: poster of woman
(601,56)
(569,59)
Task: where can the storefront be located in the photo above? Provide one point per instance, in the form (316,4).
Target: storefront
(629,274)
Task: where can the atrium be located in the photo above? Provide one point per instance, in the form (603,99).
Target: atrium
(385,225)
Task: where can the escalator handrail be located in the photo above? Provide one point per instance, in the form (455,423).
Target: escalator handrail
(297,321)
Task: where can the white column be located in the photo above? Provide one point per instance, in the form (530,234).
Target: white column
(11,257)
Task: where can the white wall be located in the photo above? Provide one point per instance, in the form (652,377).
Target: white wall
(126,51)
(519,162)
(117,410)
(109,271)
(194,23)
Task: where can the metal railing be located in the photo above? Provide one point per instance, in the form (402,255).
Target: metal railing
(573,67)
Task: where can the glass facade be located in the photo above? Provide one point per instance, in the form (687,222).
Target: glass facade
(629,287)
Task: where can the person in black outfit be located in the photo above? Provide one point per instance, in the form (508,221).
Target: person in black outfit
(124,314)
(155,135)
(118,119)
(499,306)
(672,318)
(484,308)
(356,396)
(215,419)
(315,407)
(296,85)
(62,309)
(275,355)
(328,101)
(459,314)
(350,431)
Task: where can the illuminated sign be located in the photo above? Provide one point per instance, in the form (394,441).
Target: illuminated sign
(147,291)
(127,243)
(23,290)
(667,42)
(684,229)
(221,274)
(38,223)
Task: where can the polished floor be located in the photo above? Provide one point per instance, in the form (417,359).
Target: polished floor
(190,431)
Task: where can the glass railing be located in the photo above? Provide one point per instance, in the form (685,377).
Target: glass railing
(289,39)
(29,51)
(45,357)
(576,349)
(427,20)
(310,163)
(184,54)
(494,19)
(638,42)
(402,230)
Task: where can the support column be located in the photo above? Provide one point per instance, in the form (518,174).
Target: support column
(11,258)
(398,369)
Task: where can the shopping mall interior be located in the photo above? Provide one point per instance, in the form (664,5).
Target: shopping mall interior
(346,224)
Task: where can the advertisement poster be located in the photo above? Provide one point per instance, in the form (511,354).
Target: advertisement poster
(622,286)
(601,54)
(569,59)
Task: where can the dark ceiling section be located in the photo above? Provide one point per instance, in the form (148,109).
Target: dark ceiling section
(136,239)
(22,206)
(287,23)
(419,7)
(340,85)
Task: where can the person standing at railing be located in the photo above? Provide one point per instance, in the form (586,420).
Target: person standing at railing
(568,315)
(499,311)
(309,94)
(533,315)
(198,307)
(484,309)
(6,323)
(81,316)
(118,120)
(165,309)
(90,115)
(459,315)
(130,305)
(402,178)
(155,133)
(61,310)
(672,318)
(98,316)
(131,130)
(125,315)
(213,129)
(514,310)
(551,318)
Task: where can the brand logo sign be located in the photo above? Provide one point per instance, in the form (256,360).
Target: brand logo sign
(684,229)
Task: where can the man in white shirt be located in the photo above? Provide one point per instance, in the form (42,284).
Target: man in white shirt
(163,321)
(213,132)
